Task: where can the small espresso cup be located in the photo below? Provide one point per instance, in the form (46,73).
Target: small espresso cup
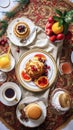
(9,94)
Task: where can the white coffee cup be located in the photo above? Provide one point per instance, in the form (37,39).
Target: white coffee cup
(9,94)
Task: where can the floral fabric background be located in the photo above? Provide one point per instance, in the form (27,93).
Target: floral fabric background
(39,11)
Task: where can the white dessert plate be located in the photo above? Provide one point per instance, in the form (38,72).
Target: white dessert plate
(30,122)
(11,66)
(52,72)
(17,41)
(4,3)
(18,93)
(72,56)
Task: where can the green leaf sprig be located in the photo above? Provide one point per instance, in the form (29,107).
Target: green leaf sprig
(24,1)
(10,14)
(64,19)
(3,27)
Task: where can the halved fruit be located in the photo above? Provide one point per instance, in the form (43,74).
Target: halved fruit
(25,76)
(40,57)
(42,82)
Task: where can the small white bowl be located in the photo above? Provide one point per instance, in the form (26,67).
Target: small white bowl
(12,64)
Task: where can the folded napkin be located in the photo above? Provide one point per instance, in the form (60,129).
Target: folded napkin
(41,41)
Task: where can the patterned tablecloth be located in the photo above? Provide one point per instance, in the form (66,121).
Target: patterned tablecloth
(39,11)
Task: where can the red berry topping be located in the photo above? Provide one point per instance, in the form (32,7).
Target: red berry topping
(33,68)
(21,28)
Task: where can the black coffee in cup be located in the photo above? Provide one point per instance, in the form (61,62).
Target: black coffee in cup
(9,92)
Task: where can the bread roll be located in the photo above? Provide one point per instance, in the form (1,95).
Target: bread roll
(33,111)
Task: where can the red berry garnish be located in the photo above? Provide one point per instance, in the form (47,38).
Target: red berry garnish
(18,50)
(33,68)
(48,67)
(21,28)
(2,42)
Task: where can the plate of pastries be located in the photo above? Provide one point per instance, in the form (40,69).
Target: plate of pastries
(21,31)
(36,70)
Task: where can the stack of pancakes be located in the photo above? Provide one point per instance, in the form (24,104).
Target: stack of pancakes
(34,68)
(21,30)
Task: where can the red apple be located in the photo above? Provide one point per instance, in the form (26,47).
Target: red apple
(48,25)
(60,36)
(50,19)
(49,32)
(52,38)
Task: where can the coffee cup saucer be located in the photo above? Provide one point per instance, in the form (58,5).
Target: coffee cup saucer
(17,90)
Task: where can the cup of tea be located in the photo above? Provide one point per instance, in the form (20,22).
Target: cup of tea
(65,68)
(60,100)
(9,94)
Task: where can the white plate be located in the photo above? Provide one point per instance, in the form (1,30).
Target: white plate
(52,72)
(18,93)
(4,3)
(14,39)
(11,66)
(72,56)
(30,122)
